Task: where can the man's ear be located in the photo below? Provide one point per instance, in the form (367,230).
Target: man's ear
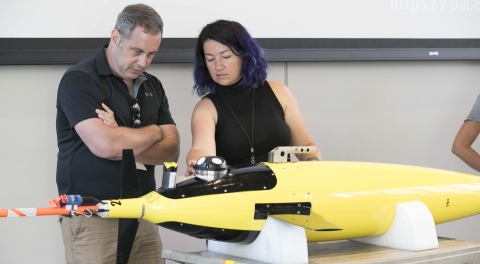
(115,36)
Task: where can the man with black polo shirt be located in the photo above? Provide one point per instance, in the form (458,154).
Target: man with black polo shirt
(105,104)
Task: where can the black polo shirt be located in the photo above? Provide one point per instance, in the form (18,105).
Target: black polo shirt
(83,88)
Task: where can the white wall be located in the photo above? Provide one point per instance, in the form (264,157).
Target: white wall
(289,19)
(397,112)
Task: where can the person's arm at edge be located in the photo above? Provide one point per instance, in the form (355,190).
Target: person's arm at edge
(203,122)
(294,119)
(166,150)
(108,142)
(462,145)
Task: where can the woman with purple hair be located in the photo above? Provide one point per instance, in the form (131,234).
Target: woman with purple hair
(241,116)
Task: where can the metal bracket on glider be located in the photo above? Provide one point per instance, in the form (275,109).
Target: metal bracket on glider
(282,154)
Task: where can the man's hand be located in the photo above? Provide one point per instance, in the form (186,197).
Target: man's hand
(107,116)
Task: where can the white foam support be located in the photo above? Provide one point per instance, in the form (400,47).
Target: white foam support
(278,242)
(412,229)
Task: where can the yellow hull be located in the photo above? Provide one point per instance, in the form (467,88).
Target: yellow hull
(348,199)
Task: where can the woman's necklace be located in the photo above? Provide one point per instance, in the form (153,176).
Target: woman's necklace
(252,151)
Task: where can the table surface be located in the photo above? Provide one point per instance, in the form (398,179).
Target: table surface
(347,251)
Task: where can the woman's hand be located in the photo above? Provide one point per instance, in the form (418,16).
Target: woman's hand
(190,170)
(107,116)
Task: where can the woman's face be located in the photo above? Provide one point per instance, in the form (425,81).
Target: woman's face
(223,65)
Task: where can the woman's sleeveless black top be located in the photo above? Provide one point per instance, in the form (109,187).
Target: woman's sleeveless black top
(269,128)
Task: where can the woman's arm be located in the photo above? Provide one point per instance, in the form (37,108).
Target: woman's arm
(294,119)
(204,119)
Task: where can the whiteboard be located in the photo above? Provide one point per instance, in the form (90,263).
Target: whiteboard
(67,31)
(424,19)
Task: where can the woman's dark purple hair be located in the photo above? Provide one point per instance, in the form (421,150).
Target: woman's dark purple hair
(233,35)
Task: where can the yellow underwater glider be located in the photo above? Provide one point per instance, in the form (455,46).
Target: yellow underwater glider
(347,199)
(332,200)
